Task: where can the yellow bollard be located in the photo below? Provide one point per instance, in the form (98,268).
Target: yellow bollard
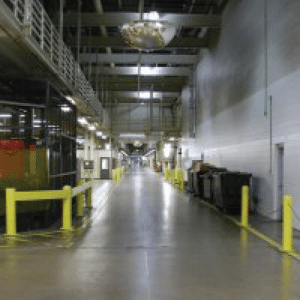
(67,209)
(287,237)
(80,198)
(166,174)
(88,195)
(118,174)
(11,226)
(245,207)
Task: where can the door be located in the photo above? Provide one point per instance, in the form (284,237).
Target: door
(104,167)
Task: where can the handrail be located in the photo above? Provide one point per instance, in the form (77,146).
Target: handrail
(30,14)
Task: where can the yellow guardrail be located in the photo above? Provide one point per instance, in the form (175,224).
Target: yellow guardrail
(66,194)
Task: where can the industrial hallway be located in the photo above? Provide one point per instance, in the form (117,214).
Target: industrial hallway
(149,241)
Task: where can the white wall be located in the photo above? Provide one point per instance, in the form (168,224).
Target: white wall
(232,130)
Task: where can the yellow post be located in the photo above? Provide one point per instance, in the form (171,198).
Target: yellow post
(118,174)
(11,226)
(88,195)
(245,206)
(181,183)
(166,174)
(287,237)
(67,209)
(80,198)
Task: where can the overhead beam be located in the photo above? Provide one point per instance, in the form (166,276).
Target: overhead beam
(117,42)
(134,94)
(118,19)
(145,71)
(133,58)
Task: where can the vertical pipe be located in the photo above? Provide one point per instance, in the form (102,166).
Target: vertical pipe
(11,226)
(271,134)
(141,9)
(287,237)
(245,207)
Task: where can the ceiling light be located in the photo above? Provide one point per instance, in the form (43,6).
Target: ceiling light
(69,98)
(5,116)
(82,121)
(145,95)
(153,16)
(65,108)
(92,127)
(98,133)
(104,137)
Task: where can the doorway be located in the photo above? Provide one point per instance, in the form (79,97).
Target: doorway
(104,167)
(279,179)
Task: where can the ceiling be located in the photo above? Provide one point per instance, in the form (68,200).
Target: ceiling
(91,29)
(112,66)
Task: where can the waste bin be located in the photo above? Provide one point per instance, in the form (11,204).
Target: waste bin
(227,190)
(207,186)
(190,183)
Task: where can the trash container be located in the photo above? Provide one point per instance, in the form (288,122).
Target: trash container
(207,186)
(190,183)
(227,190)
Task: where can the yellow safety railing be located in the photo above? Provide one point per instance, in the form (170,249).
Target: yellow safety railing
(66,194)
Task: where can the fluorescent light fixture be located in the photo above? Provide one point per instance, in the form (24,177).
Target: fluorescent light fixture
(65,108)
(5,115)
(145,95)
(152,15)
(149,71)
(82,121)
(167,150)
(92,127)
(104,137)
(98,133)
(69,98)
(5,130)
(132,135)
(80,141)
(172,139)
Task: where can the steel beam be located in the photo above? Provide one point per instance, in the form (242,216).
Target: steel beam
(118,19)
(134,94)
(117,42)
(133,58)
(145,71)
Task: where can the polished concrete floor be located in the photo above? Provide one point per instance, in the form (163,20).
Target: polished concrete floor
(149,241)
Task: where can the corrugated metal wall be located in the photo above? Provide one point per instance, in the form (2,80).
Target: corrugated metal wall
(257,56)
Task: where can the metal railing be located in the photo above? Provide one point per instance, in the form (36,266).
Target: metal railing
(31,15)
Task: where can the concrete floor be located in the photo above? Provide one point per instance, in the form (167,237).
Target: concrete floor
(149,241)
